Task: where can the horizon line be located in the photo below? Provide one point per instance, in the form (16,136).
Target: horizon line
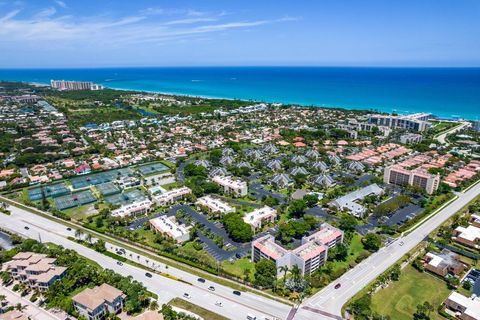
(245,66)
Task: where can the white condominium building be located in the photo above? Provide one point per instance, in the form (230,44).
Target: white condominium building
(232,186)
(169,227)
(74,85)
(138,207)
(418,178)
(416,122)
(260,216)
(308,257)
(214,205)
(171,196)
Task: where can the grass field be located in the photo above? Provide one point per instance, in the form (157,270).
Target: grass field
(439,127)
(356,247)
(400,299)
(239,266)
(204,313)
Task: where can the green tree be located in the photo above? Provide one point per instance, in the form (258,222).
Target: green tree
(236,228)
(348,223)
(297,208)
(372,242)
(265,273)
(311,200)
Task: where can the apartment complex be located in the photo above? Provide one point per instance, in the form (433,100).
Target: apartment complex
(416,122)
(169,227)
(137,207)
(96,303)
(74,85)
(309,256)
(214,205)
(350,201)
(261,216)
(232,186)
(465,308)
(37,271)
(443,263)
(171,196)
(411,138)
(418,177)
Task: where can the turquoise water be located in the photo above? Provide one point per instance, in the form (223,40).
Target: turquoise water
(446,92)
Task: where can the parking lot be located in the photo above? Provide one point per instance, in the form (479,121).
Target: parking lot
(474,278)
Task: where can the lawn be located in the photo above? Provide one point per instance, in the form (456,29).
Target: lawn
(400,299)
(439,127)
(238,267)
(354,250)
(204,313)
(82,212)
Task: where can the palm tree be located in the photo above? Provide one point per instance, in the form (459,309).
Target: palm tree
(153,305)
(295,273)
(78,234)
(88,238)
(284,269)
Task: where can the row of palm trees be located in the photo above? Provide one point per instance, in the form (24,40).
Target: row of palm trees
(295,272)
(79,234)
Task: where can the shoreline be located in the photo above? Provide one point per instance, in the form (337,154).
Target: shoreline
(291,104)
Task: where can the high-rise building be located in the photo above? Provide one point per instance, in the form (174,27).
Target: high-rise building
(415,122)
(418,178)
(476,125)
(309,256)
(74,85)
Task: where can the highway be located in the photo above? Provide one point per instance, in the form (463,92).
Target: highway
(326,304)
(329,301)
(442,138)
(233,307)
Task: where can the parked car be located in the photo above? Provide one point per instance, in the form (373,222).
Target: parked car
(201,280)
(69,229)
(27,228)
(186,295)
(119,263)
(211,288)
(236,292)
(148,275)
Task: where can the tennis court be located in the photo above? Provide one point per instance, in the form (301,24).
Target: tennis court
(99,178)
(54,190)
(126,197)
(74,200)
(107,189)
(151,168)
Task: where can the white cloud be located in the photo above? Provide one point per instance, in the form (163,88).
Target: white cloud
(61,4)
(62,31)
(45,13)
(189,21)
(9,16)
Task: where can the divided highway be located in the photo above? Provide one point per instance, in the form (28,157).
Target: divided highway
(329,301)
(233,307)
(326,304)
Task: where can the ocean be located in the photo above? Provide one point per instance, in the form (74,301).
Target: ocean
(446,92)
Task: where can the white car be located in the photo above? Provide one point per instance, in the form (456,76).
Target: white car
(187,296)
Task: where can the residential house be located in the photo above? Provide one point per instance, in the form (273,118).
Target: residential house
(96,303)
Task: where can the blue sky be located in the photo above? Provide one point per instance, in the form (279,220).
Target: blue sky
(104,33)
